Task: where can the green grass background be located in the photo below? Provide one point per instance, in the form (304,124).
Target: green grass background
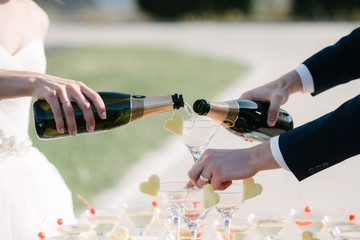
(91,163)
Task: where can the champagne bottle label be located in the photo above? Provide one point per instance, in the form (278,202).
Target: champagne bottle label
(228,112)
(148,105)
(137,106)
(232,114)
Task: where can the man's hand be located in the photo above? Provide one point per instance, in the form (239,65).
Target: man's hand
(222,166)
(276,93)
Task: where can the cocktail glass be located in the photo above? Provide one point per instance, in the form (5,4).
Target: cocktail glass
(312,221)
(269,225)
(172,195)
(141,214)
(197,133)
(239,230)
(75,228)
(193,211)
(231,200)
(104,221)
(346,231)
(344,225)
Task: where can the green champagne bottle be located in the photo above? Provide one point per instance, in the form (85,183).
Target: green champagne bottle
(245,118)
(121,109)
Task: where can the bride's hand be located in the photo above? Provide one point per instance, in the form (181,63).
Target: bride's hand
(59,93)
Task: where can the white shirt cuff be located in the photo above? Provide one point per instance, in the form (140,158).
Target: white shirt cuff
(275,150)
(306,78)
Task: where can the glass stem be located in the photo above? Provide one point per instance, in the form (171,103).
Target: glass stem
(193,233)
(195,152)
(227,222)
(176,220)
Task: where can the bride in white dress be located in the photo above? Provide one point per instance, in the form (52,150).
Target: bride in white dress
(30,186)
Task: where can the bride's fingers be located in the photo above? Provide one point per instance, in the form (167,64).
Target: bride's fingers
(86,109)
(69,117)
(95,98)
(69,112)
(57,111)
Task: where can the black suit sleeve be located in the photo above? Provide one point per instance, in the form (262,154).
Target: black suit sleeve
(323,142)
(334,137)
(336,64)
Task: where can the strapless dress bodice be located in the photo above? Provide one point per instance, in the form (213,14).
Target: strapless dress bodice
(14,113)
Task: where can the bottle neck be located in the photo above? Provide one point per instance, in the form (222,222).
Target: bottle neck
(148,105)
(224,112)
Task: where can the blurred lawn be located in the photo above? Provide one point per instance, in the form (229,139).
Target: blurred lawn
(92,163)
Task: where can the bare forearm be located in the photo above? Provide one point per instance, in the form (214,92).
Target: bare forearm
(15,84)
(261,157)
(291,82)
(58,92)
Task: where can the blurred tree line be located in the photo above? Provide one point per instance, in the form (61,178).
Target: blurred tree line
(326,9)
(212,9)
(297,9)
(174,9)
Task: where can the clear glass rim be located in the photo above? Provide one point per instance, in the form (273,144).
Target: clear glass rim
(169,183)
(231,191)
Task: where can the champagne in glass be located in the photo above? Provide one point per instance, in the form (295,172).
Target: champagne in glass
(141,214)
(309,221)
(195,131)
(269,225)
(197,134)
(104,221)
(345,225)
(75,227)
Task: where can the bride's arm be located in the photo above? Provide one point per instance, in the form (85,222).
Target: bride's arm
(58,92)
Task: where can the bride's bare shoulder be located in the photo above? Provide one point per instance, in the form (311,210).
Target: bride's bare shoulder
(40,17)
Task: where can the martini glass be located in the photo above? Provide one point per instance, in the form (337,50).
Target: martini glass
(197,133)
(141,214)
(193,211)
(269,225)
(172,195)
(74,227)
(345,225)
(346,231)
(312,221)
(104,221)
(230,201)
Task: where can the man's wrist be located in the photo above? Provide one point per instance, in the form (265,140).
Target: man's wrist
(263,158)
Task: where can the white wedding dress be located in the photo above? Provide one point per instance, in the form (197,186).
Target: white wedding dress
(32,192)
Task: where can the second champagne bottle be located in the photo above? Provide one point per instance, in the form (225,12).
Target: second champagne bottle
(245,118)
(121,109)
